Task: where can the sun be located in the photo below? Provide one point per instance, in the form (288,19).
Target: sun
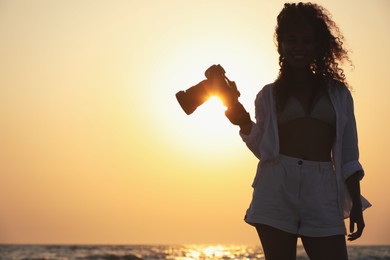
(215,105)
(211,113)
(206,131)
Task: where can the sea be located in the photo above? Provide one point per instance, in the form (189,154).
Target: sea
(168,252)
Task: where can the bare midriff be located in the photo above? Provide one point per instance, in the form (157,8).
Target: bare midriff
(307,138)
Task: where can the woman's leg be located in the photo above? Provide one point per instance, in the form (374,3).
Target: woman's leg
(277,244)
(325,248)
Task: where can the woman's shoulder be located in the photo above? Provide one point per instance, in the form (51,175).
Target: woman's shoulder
(339,91)
(266,89)
(265,92)
(337,86)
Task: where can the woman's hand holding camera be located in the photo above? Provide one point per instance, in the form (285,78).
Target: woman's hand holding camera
(237,115)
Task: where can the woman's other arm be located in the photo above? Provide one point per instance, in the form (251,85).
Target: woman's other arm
(356,215)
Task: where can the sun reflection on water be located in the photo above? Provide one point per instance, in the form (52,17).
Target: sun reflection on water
(206,252)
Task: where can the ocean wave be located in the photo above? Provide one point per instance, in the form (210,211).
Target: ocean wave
(164,252)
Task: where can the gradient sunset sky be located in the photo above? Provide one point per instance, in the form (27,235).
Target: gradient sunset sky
(94,147)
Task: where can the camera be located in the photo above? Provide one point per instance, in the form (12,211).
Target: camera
(215,84)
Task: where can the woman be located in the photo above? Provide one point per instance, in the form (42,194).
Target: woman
(305,136)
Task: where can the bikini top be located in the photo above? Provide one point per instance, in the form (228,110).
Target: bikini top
(322,110)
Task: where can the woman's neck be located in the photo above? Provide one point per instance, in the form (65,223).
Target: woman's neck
(302,77)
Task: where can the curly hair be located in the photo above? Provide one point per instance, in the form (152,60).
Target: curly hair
(329,40)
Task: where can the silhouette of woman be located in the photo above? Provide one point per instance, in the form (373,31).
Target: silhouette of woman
(305,137)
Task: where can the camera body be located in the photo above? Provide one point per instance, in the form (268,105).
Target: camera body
(216,84)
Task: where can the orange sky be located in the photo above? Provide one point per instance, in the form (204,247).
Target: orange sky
(95,148)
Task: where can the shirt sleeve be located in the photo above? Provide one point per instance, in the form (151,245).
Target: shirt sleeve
(253,139)
(350,161)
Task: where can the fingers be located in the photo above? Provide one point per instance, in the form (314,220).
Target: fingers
(354,236)
(358,233)
(356,216)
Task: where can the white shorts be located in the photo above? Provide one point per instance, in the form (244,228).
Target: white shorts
(297,196)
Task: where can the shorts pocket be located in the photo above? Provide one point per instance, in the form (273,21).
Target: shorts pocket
(266,179)
(331,192)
